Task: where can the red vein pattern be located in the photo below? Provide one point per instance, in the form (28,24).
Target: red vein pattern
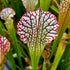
(64,15)
(38,26)
(7,13)
(4,46)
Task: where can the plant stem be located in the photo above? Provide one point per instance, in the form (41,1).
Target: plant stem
(44,66)
(12,34)
(35,53)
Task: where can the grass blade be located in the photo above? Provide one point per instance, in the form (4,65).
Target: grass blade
(12,34)
(5,3)
(59,53)
(54,8)
(1,29)
(11,60)
(63,21)
(45,4)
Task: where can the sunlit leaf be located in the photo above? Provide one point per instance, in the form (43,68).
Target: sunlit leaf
(59,53)
(45,4)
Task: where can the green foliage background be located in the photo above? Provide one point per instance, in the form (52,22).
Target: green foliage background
(21,49)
